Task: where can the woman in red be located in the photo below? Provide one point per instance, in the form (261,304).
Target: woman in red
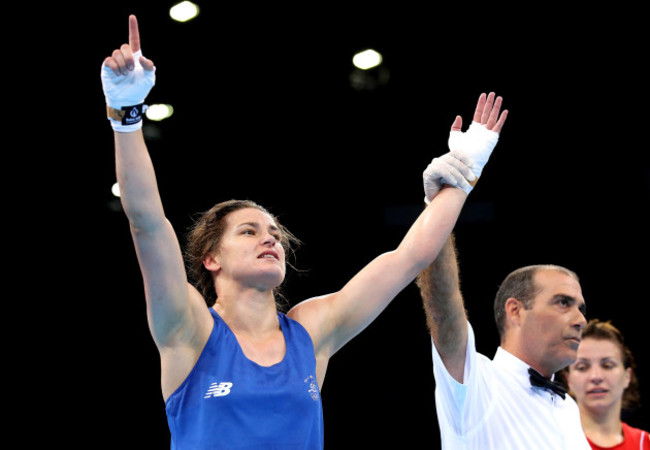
(603,382)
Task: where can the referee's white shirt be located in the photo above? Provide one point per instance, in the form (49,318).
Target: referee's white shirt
(497,408)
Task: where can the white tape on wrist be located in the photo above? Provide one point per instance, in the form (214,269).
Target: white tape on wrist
(477,143)
(126,119)
(125,95)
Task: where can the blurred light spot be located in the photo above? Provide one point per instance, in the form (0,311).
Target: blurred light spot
(184,11)
(367,59)
(159,112)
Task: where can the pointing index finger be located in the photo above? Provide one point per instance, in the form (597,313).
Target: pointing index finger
(134,34)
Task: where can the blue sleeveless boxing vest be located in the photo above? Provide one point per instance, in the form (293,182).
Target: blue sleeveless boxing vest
(230,402)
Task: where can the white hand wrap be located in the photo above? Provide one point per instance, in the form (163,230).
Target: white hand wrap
(452,168)
(477,143)
(127,90)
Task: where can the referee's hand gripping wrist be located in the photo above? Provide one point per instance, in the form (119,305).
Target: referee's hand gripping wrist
(453,169)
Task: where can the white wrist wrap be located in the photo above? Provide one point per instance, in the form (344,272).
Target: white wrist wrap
(127,91)
(477,143)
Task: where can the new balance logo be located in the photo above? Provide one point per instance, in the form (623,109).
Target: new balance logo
(218,390)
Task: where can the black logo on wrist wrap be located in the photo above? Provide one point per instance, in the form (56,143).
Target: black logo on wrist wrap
(132,114)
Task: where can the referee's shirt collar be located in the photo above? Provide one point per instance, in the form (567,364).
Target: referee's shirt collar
(513,365)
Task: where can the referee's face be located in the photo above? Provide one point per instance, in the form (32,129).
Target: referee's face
(551,328)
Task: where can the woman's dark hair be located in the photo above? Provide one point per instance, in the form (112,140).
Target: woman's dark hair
(204,236)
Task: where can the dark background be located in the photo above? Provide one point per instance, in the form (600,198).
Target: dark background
(264,109)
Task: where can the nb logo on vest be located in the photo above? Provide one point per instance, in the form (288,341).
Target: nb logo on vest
(218,390)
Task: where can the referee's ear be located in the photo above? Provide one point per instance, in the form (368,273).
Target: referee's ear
(514,313)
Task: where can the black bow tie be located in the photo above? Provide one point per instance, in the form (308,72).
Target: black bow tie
(537,379)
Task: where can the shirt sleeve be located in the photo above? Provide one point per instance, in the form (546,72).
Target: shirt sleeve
(452,397)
